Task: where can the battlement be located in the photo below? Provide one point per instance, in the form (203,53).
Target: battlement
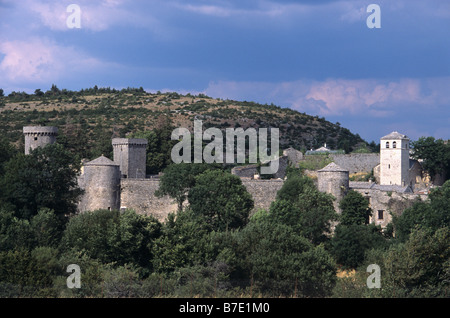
(40,130)
(135,142)
(38,136)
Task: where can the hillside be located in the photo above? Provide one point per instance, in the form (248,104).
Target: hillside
(89,118)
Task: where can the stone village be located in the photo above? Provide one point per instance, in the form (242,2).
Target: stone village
(121,182)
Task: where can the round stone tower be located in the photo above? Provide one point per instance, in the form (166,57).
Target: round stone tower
(38,136)
(333,180)
(101,183)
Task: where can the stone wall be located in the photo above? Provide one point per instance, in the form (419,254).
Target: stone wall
(357,162)
(388,202)
(263,192)
(139,195)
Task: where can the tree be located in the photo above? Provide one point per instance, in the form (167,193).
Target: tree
(307,210)
(435,156)
(419,267)
(178,179)
(46,178)
(181,244)
(434,213)
(6,153)
(221,200)
(2,92)
(159,147)
(293,186)
(38,92)
(113,236)
(354,209)
(280,261)
(350,243)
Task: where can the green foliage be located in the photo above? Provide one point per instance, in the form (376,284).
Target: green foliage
(6,153)
(43,229)
(113,236)
(435,155)
(354,209)
(432,214)
(159,145)
(300,205)
(178,179)
(92,273)
(221,200)
(182,243)
(350,243)
(46,178)
(420,267)
(279,261)
(293,187)
(28,273)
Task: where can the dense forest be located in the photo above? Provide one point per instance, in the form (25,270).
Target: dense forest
(211,246)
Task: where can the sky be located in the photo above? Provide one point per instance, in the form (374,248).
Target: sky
(317,57)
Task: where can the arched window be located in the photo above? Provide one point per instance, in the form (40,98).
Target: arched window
(394,144)
(387,144)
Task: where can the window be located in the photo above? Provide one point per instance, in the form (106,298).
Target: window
(380,214)
(387,144)
(394,144)
(35,138)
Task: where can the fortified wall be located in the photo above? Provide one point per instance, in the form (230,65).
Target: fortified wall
(139,195)
(117,184)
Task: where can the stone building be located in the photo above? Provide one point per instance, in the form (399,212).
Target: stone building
(38,136)
(122,183)
(130,154)
(394,159)
(100,181)
(334,180)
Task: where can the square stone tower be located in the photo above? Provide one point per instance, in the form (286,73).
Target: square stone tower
(394,159)
(130,154)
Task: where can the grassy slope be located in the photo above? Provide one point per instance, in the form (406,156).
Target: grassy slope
(115,114)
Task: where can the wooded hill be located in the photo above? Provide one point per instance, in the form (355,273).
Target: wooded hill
(89,118)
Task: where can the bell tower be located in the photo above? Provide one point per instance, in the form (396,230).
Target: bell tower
(394,159)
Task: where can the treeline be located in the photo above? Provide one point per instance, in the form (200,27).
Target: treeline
(211,246)
(55,92)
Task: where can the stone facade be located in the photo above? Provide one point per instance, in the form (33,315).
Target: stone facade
(130,155)
(38,136)
(386,200)
(394,159)
(122,183)
(100,181)
(263,192)
(333,180)
(139,195)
